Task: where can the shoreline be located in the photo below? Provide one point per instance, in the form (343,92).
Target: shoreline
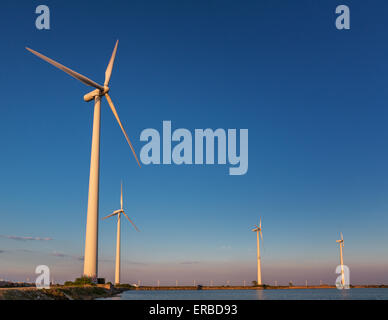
(167,288)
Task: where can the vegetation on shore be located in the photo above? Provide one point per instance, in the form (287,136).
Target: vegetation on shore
(57,293)
(82,281)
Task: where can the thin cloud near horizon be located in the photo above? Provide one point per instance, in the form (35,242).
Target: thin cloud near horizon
(65,255)
(23,238)
(189,262)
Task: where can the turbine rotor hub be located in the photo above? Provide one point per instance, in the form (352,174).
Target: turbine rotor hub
(106,90)
(96,92)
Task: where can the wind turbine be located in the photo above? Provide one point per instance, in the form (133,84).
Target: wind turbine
(91,239)
(258,230)
(341,244)
(118,213)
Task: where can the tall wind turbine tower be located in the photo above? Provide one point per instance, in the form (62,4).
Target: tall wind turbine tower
(118,251)
(341,244)
(91,239)
(259,234)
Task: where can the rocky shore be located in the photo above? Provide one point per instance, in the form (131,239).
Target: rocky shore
(60,293)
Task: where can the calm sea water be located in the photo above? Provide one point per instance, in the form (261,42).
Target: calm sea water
(289,294)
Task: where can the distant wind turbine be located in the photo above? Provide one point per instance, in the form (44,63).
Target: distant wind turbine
(258,231)
(341,244)
(91,241)
(118,254)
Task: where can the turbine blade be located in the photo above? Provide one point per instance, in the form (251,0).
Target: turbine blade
(74,74)
(342,238)
(131,221)
(121,126)
(121,198)
(108,216)
(109,68)
(260,222)
(261,235)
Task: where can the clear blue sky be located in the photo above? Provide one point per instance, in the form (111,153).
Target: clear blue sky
(313,98)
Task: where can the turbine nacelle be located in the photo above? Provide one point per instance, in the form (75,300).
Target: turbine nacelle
(97,92)
(341,241)
(258,229)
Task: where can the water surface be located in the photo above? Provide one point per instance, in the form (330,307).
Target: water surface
(281,294)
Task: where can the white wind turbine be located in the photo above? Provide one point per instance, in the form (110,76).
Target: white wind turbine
(91,239)
(118,213)
(258,231)
(341,244)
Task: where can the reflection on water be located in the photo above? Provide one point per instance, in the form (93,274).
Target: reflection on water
(344,294)
(259,295)
(282,294)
